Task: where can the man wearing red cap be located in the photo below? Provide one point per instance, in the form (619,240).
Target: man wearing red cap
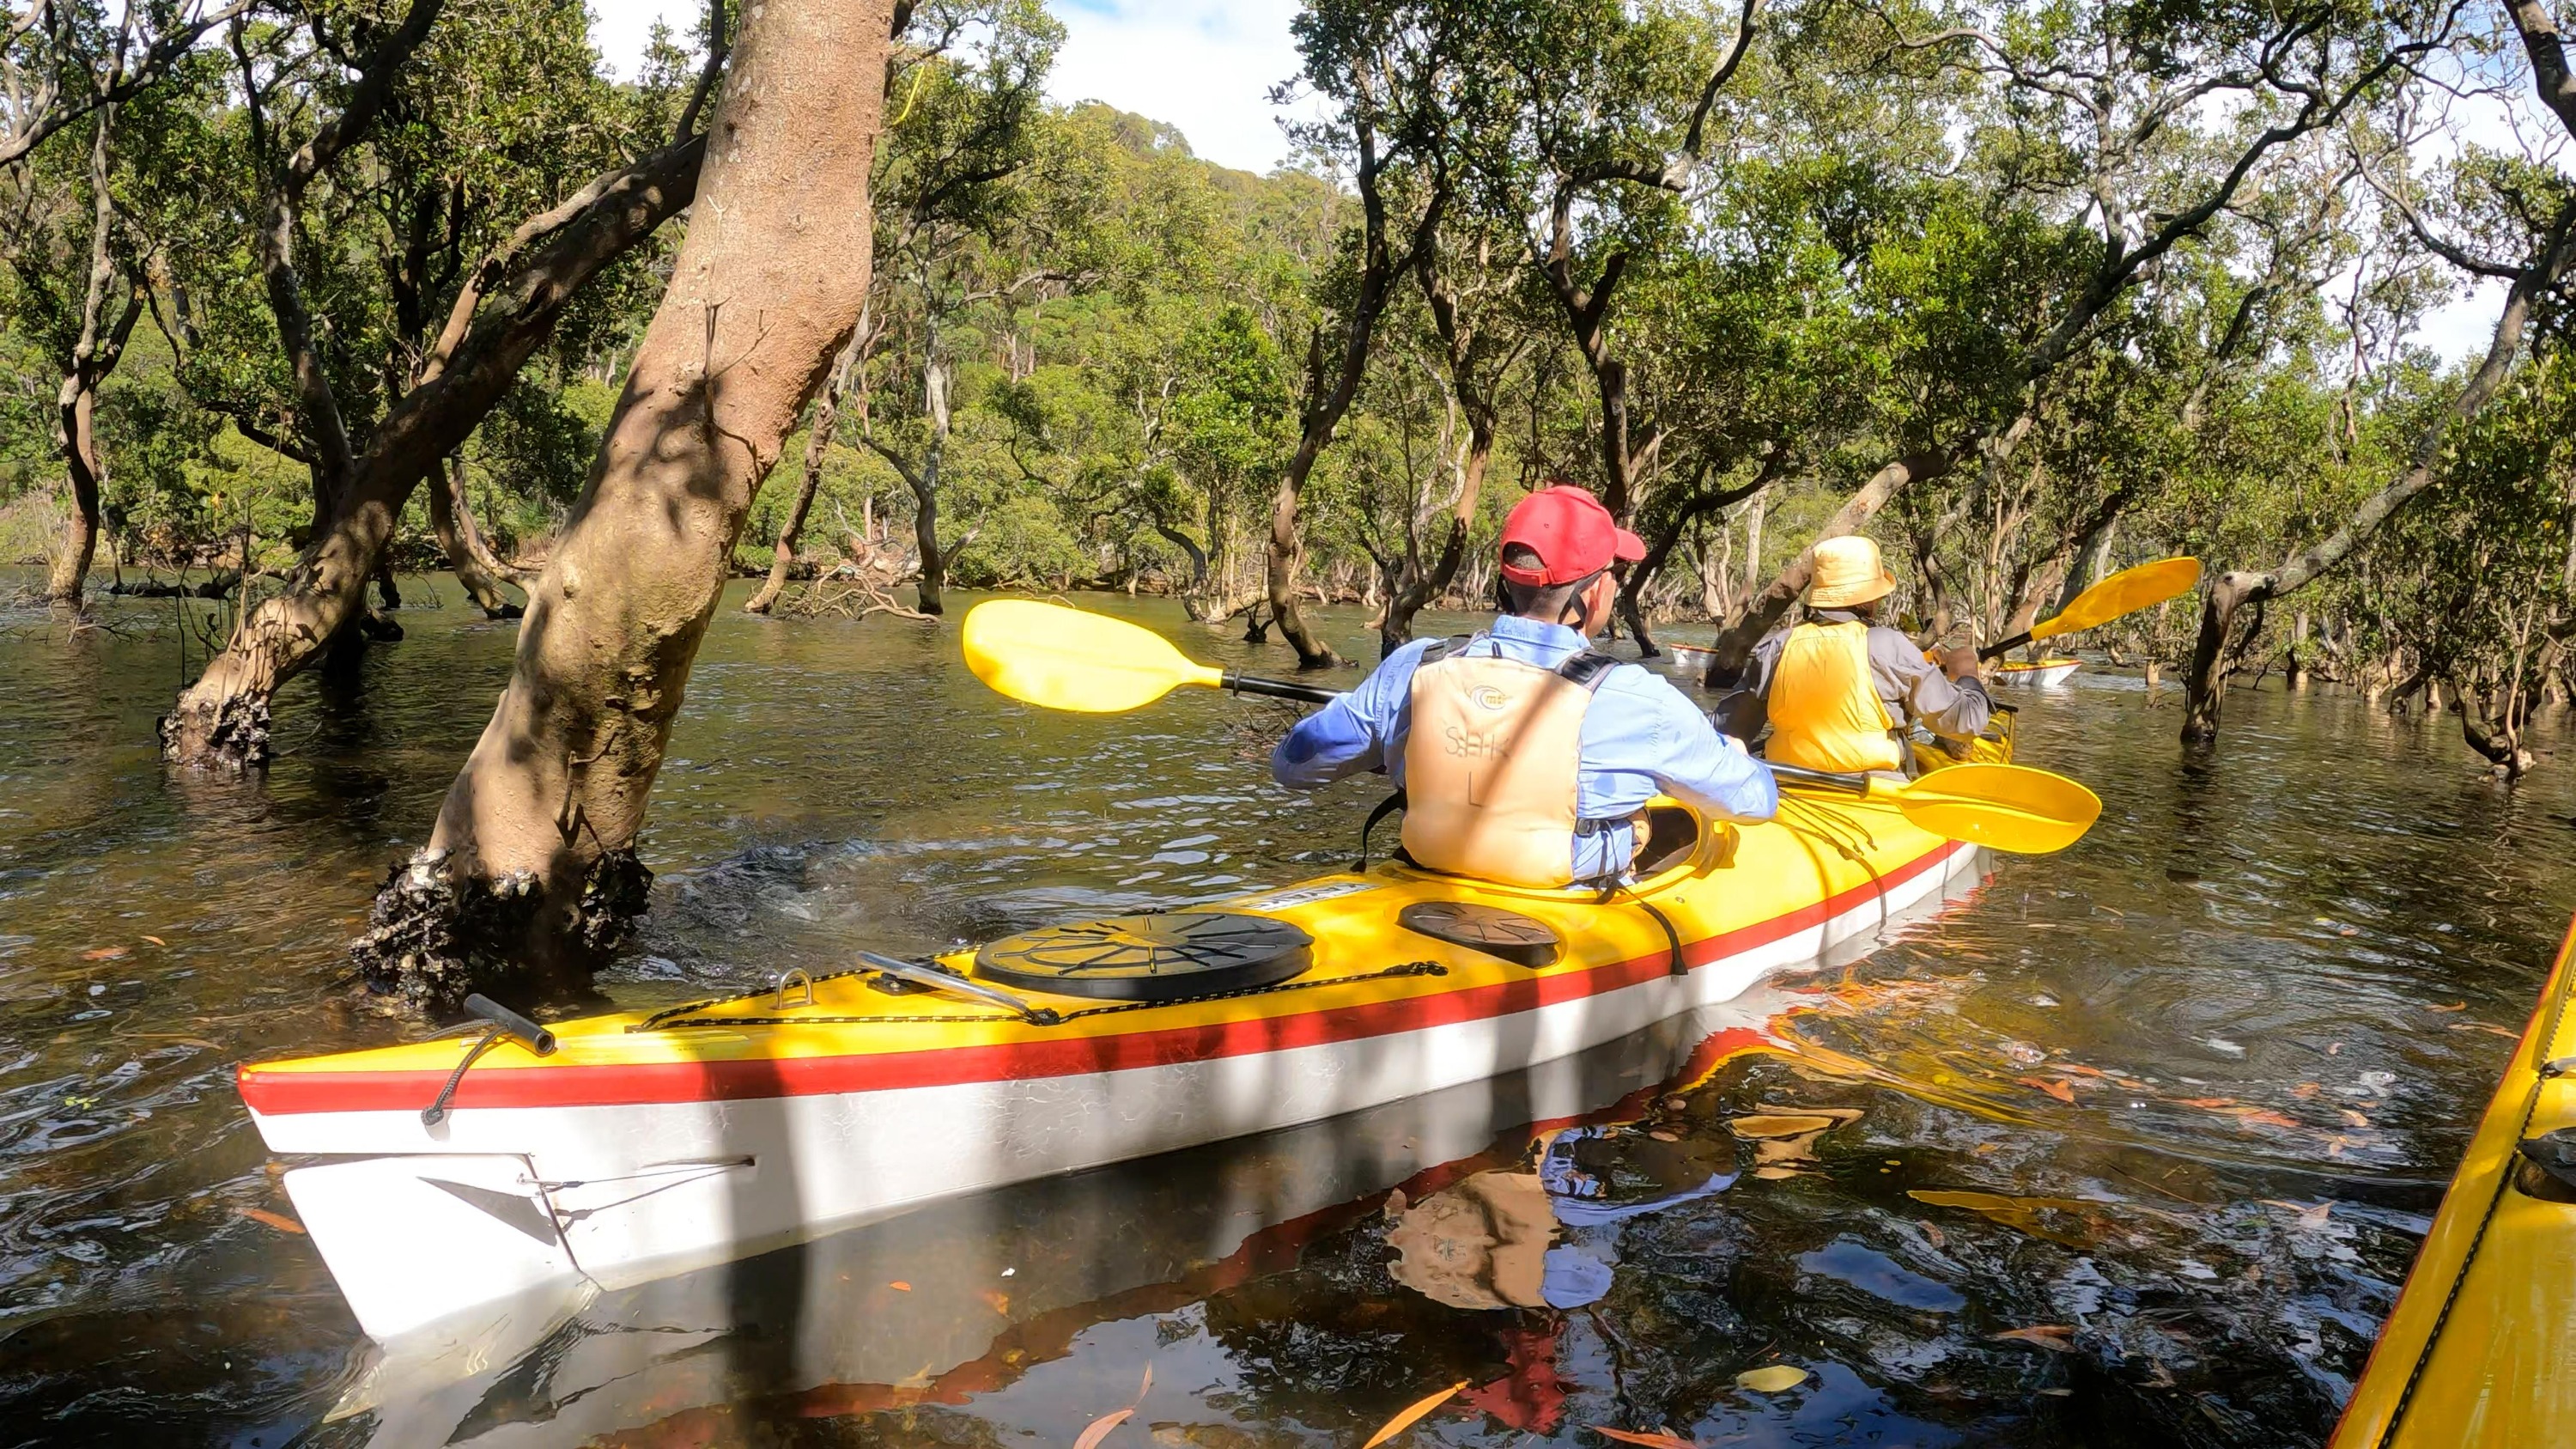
(1523,756)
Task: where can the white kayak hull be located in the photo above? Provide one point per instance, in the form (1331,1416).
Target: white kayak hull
(2047,676)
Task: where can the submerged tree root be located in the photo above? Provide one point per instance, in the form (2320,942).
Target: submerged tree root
(436,936)
(232,734)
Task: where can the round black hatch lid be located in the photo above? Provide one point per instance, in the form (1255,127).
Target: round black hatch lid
(1149,958)
(1490,929)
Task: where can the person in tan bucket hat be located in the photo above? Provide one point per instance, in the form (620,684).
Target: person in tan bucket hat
(1838,689)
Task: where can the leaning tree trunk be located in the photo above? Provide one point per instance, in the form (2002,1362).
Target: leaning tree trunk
(1734,647)
(818,444)
(531,875)
(2213,654)
(449,520)
(221,721)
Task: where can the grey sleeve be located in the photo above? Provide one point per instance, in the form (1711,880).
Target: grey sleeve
(1747,711)
(1915,685)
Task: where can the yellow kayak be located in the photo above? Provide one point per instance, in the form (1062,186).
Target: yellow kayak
(2481,1349)
(628,1146)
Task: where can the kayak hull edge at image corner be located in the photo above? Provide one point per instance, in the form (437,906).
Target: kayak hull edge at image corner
(2481,1348)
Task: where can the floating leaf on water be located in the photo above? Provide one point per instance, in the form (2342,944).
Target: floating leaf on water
(157,941)
(1147,1386)
(2266,1117)
(2055,1337)
(2454,1006)
(2352,1118)
(1100,1427)
(1412,1412)
(900,1286)
(2023,1213)
(1653,1441)
(2506,1033)
(1771,1379)
(2211,1103)
(1768,1124)
(279,1221)
(2059,1090)
(2311,1217)
(2304,1090)
(103,953)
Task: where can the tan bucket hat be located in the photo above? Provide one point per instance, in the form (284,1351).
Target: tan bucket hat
(1848,571)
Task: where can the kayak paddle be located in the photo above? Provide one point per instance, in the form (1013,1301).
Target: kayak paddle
(2125,592)
(2012,808)
(1063,658)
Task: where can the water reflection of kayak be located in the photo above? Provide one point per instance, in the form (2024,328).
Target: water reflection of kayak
(2480,1348)
(650,1144)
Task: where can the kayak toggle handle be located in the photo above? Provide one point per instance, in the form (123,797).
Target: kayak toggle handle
(956,985)
(505,1022)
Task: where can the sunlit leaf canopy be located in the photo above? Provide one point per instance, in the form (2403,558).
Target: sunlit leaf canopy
(2104,282)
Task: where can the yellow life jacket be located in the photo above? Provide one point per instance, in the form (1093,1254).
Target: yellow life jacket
(1824,705)
(1491,764)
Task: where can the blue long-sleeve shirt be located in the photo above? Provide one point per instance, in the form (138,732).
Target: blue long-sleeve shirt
(1640,737)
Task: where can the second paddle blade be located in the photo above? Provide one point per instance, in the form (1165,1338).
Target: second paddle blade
(2125,592)
(1061,658)
(2010,808)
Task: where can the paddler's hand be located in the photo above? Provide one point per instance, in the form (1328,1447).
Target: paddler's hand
(1960,663)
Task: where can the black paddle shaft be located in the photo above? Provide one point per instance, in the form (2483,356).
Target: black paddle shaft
(1857,784)
(1280,689)
(2000,649)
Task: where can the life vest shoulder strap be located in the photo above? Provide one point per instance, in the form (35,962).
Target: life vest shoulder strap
(1587,667)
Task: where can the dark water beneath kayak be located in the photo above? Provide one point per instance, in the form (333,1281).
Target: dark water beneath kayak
(2126,1147)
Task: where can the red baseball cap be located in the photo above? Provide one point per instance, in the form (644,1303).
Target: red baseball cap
(1572,534)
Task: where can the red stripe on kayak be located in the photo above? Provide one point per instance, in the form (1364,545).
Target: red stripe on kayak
(282,1093)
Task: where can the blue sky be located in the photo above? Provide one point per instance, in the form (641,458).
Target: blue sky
(1205,66)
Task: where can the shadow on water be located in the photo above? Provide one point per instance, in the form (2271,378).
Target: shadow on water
(2130,1148)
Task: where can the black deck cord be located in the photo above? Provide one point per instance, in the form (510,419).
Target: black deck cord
(2468,1260)
(1407,968)
(1385,808)
(436,1111)
(1612,888)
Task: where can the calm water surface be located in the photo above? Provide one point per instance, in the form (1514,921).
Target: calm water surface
(2126,1147)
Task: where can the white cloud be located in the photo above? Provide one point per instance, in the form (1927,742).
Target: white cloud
(1205,66)
(620,28)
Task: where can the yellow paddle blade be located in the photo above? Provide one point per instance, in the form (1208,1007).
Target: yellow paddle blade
(2001,807)
(2125,592)
(1047,654)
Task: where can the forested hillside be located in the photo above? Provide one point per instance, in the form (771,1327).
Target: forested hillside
(2027,294)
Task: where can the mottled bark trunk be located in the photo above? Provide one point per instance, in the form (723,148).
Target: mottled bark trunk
(93,357)
(221,721)
(531,876)
(449,520)
(1422,584)
(70,572)
(1281,560)
(818,445)
(925,483)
